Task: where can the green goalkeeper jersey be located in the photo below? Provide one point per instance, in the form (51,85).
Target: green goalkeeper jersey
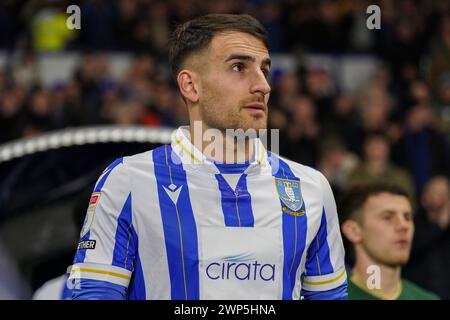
(409,291)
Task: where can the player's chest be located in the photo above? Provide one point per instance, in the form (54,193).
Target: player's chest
(219,200)
(249,231)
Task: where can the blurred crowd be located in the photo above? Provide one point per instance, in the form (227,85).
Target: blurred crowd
(395,127)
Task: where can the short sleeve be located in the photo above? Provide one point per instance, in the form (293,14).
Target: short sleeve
(325,267)
(107,247)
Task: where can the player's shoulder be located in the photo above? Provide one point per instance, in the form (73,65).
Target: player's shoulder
(304,172)
(143,158)
(413,291)
(138,158)
(127,168)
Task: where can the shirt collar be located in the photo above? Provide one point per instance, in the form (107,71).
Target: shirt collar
(192,157)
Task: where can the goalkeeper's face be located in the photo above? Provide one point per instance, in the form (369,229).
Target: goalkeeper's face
(233,82)
(387,229)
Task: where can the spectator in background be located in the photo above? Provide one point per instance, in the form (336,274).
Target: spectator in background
(430,258)
(128,113)
(377,166)
(12,114)
(403,53)
(74,110)
(110,101)
(288,87)
(98,20)
(374,112)
(49,28)
(418,93)
(336,163)
(422,148)
(127,19)
(271,19)
(321,87)
(10,25)
(441,107)
(360,37)
(439,63)
(159,26)
(319,26)
(377,220)
(25,69)
(57,103)
(341,119)
(92,77)
(300,139)
(39,117)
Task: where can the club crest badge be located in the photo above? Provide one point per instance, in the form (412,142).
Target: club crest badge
(290,195)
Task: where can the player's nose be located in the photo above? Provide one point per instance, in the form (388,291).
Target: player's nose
(403,225)
(260,84)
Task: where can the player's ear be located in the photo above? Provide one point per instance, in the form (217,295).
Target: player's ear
(352,231)
(187,82)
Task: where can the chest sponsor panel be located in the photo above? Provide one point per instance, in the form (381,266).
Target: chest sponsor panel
(240,263)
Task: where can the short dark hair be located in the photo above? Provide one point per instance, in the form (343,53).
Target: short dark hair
(195,35)
(356,196)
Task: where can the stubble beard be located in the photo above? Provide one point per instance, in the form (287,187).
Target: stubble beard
(233,118)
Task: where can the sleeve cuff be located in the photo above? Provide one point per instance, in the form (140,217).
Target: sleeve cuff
(325,282)
(102,272)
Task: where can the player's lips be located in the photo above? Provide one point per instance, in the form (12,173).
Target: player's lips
(255,107)
(403,243)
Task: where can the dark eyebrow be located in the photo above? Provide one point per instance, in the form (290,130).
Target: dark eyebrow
(243,57)
(266,62)
(388,211)
(392,212)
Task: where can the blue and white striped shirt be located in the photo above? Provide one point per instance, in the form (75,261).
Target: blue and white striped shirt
(170,224)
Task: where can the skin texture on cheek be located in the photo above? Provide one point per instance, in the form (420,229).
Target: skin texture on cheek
(380,238)
(379,248)
(217,111)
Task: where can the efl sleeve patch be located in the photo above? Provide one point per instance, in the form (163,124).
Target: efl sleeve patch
(95,198)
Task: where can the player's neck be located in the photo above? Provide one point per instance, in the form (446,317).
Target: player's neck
(236,151)
(380,280)
(221,147)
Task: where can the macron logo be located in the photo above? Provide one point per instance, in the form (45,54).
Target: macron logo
(173,192)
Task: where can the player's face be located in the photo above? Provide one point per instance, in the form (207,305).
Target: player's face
(387,229)
(234,88)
